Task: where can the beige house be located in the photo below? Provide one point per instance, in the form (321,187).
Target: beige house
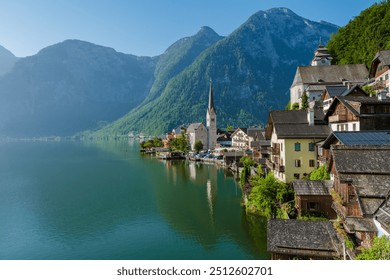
(293,136)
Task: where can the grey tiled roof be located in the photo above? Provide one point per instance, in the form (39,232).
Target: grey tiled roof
(307,187)
(298,131)
(336,90)
(370,205)
(192,127)
(305,238)
(362,159)
(355,73)
(360,224)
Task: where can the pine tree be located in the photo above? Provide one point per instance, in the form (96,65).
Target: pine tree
(305,102)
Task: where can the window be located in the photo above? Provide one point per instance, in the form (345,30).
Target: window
(386,109)
(386,76)
(296,176)
(297,147)
(311,147)
(312,206)
(354,127)
(312,162)
(297,163)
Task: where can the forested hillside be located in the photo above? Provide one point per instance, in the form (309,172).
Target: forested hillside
(362,37)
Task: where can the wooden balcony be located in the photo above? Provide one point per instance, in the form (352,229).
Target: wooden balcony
(279,168)
(275,150)
(270,164)
(338,118)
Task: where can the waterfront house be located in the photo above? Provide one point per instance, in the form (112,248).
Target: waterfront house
(230,158)
(312,80)
(313,198)
(298,239)
(380,70)
(361,176)
(197,132)
(293,136)
(240,138)
(354,113)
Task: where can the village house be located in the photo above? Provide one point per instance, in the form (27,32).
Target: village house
(380,70)
(354,113)
(331,92)
(361,176)
(313,198)
(312,80)
(298,239)
(248,138)
(197,132)
(293,136)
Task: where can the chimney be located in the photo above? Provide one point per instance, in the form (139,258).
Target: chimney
(382,95)
(310,116)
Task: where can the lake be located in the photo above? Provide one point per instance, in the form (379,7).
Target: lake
(96,201)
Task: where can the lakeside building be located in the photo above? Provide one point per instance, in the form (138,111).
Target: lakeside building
(361,176)
(298,239)
(312,80)
(293,136)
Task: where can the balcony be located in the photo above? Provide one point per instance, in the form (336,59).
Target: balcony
(279,168)
(270,164)
(338,118)
(275,150)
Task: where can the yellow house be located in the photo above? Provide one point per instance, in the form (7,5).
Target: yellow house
(293,136)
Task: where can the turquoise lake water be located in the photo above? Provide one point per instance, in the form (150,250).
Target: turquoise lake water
(77,200)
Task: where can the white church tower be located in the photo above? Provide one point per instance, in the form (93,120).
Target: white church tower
(211,121)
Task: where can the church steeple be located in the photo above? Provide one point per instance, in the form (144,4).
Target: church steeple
(211,98)
(321,56)
(211,121)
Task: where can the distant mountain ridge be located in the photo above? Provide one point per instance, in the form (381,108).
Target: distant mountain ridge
(70,87)
(74,85)
(251,69)
(7,60)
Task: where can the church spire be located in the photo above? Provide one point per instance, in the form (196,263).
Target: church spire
(211,98)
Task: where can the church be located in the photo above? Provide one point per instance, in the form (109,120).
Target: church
(206,134)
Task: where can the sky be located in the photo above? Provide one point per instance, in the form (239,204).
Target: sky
(144,27)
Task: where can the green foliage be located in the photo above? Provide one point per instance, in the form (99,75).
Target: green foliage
(198,146)
(361,38)
(229,128)
(180,144)
(288,106)
(152,143)
(320,173)
(295,106)
(305,102)
(270,197)
(380,250)
(248,163)
(369,90)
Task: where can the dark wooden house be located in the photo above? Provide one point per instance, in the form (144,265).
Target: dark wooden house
(298,239)
(362,184)
(313,198)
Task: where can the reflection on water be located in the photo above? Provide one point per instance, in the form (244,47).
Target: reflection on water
(65,200)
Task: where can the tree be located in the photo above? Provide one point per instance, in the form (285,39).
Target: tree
(245,174)
(180,143)
(305,102)
(270,196)
(369,90)
(198,146)
(320,174)
(229,128)
(295,106)
(380,250)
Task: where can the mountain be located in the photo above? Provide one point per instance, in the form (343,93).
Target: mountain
(362,37)
(7,60)
(251,71)
(178,56)
(70,87)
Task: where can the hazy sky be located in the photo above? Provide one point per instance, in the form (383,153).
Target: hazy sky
(143,27)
